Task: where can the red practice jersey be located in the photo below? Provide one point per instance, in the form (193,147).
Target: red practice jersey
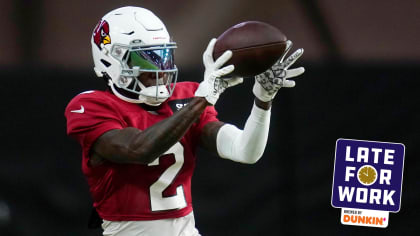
(126,192)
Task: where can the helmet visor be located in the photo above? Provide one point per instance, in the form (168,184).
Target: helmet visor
(153,59)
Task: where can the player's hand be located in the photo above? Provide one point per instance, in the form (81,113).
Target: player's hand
(213,84)
(268,83)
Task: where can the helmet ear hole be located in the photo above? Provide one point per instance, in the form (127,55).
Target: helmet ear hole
(106,64)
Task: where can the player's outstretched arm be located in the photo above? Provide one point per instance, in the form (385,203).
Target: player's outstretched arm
(131,145)
(247,145)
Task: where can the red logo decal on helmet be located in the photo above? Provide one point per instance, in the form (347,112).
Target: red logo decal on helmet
(101,34)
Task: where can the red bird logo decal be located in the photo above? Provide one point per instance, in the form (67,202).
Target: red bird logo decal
(101,34)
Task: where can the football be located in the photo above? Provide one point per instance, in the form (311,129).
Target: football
(256,46)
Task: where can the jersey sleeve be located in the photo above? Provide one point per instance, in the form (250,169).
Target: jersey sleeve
(88,118)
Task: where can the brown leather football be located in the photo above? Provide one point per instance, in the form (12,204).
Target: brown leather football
(256,46)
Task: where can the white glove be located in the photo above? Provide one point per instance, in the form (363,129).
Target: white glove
(268,83)
(213,85)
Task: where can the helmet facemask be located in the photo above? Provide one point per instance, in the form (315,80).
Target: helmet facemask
(136,59)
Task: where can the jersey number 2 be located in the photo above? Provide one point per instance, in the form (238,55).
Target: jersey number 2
(177,201)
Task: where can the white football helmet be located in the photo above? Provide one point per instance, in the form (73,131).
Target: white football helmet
(129,41)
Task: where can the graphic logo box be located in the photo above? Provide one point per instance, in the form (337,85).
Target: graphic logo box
(349,190)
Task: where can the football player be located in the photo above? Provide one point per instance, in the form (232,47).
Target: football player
(139,137)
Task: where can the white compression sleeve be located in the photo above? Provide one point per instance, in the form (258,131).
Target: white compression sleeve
(245,146)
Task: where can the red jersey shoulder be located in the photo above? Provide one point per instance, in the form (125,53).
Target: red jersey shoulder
(89,98)
(92,110)
(89,95)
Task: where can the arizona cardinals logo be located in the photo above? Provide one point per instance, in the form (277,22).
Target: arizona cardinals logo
(101,34)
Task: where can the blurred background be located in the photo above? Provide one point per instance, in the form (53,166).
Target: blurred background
(362,61)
